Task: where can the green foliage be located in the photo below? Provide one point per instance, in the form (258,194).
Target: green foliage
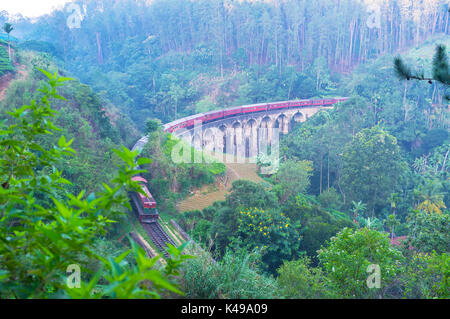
(247,194)
(5,64)
(293,178)
(429,232)
(317,224)
(202,230)
(7,27)
(391,222)
(170,180)
(270,231)
(347,257)
(127,281)
(299,280)
(41,46)
(330,199)
(83,116)
(440,69)
(44,228)
(236,276)
(427,276)
(152,125)
(373,167)
(201,62)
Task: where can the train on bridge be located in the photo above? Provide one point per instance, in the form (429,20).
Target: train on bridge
(189,121)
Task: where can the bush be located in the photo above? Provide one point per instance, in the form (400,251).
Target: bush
(349,253)
(427,276)
(297,279)
(235,277)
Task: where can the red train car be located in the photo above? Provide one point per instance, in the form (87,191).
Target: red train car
(147,213)
(232,111)
(255,108)
(278,105)
(214,115)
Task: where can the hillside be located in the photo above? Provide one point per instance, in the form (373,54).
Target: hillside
(358,206)
(84,117)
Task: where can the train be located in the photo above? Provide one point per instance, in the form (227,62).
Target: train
(188,122)
(144,206)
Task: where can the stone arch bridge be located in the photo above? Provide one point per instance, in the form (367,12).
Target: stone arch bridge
(244,135)
(245,131)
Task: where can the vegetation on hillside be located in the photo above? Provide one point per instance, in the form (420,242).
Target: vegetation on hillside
(362,187)
(47,231)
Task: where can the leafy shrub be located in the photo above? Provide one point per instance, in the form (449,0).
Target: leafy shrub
(44,228)
(235,277)
(298,280)
(350,252)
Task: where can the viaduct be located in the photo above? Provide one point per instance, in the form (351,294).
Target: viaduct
(243,134)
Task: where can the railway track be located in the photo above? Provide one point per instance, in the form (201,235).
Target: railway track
(159,237)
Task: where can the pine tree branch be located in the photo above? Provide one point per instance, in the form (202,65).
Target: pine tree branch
(404,72)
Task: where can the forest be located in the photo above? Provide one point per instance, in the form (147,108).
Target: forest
(360,185)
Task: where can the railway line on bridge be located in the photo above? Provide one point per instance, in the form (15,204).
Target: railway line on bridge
(222,123)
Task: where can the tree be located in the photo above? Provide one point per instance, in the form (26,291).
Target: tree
(152,125)
(247,194)
(391,221)
(299,280)
(429,232)
(430,197)
(44,228)
(426,276)
(268,230)
(359,208)
(330,199)
(440,73)
(7,27)
(373,168)
(346,259)
(293,178)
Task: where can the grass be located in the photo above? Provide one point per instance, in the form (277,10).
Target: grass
(207,195)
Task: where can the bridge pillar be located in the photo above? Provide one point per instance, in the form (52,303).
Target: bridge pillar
(238,140)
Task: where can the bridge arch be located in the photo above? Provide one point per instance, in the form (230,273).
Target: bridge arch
(250,132)
(281,122)
(236,137)
(209,140)
(265,130)
(297,117)
(221,138)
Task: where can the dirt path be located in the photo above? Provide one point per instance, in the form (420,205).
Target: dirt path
(6,80)
(209,194)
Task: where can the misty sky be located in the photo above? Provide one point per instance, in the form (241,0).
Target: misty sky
(30,8)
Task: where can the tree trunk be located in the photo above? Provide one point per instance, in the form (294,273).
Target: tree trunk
(321,169)
(9,48)
(328,171)
(99,48)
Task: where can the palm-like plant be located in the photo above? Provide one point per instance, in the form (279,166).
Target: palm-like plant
(394,199)
(432,204)
(358,209)
(7,27)
(431,199)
